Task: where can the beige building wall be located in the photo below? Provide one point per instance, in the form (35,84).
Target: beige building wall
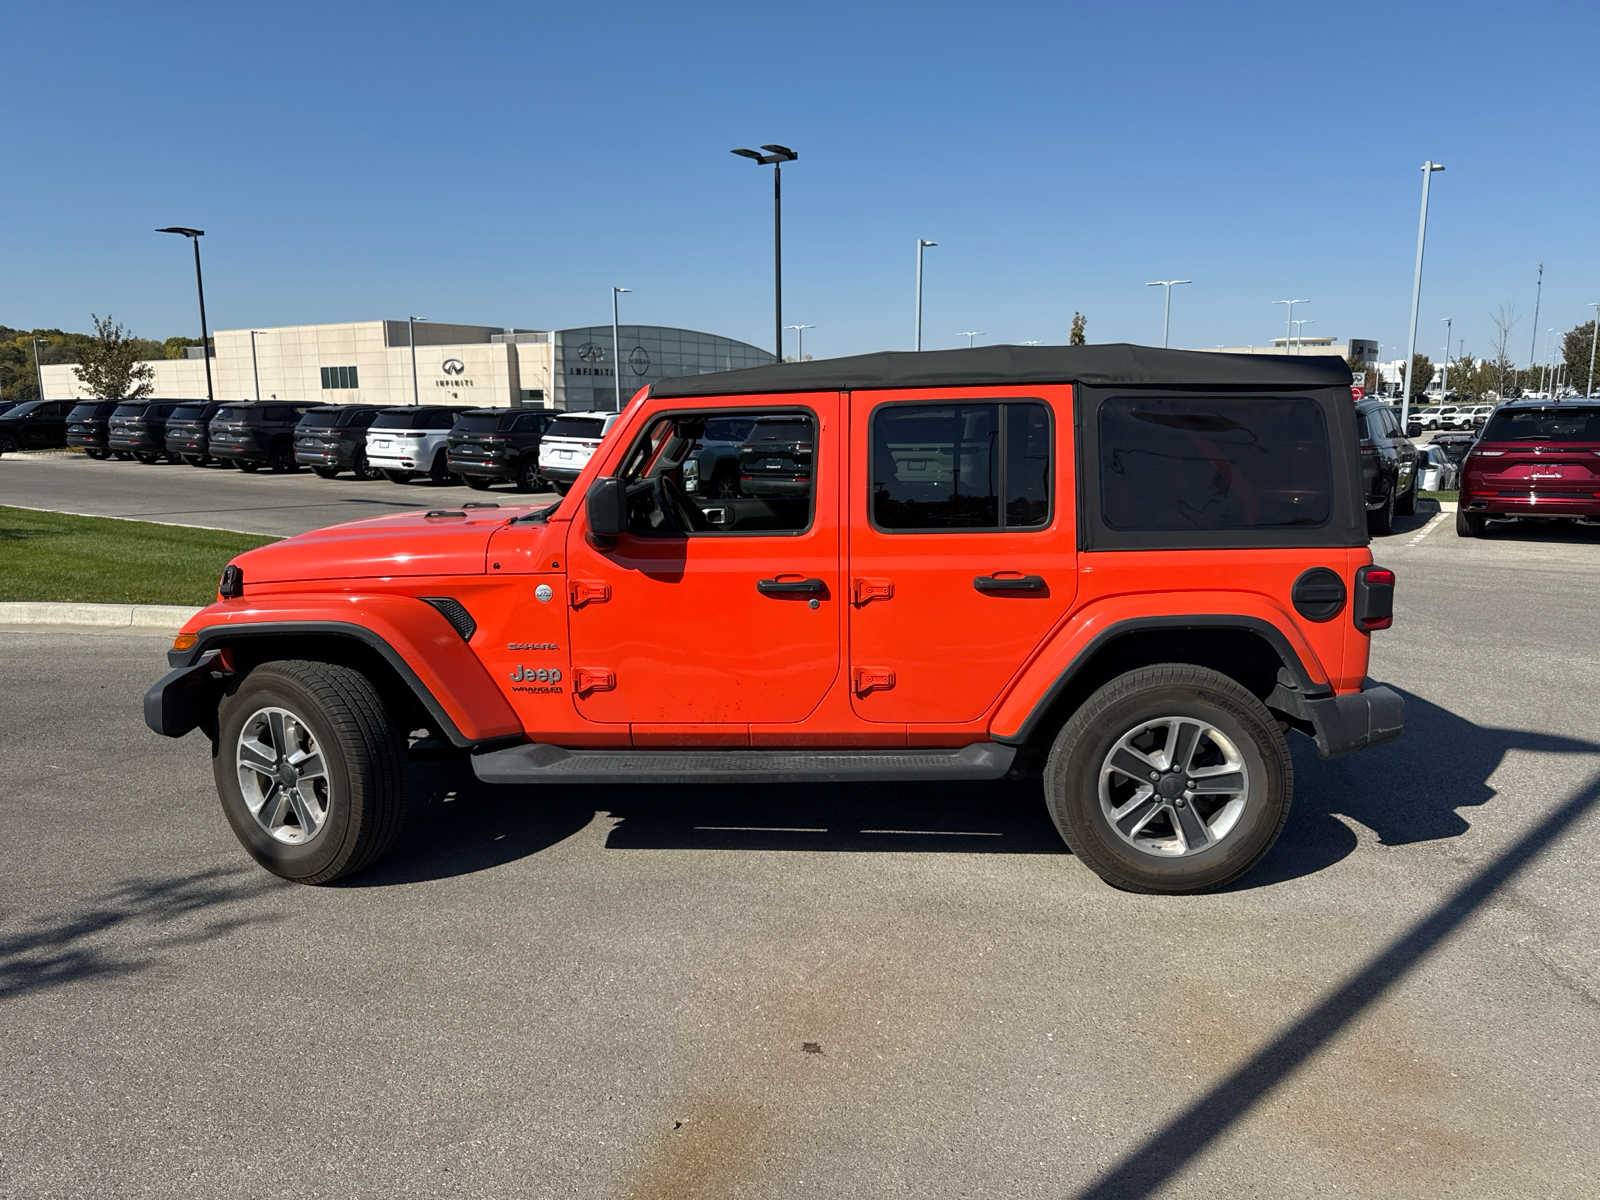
(174,379)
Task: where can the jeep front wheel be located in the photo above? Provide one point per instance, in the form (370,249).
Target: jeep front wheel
(1171,778)
(307,763)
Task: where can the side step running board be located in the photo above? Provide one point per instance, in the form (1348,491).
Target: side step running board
(554,764)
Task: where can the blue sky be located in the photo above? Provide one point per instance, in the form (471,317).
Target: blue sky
(508,164)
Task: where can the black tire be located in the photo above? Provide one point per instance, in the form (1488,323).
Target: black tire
(98,455)
(476,484)
(397,476)
(196,460)
(528,475)
(8,444)
(122,455)
(1469,524)
(1072,778)
(360,466)
(282,461)
(439,472)
(1406,505)
(363,750)
(1381,522)
(724,485)
(562,488)
(325,472)
(247,466)
(148,460)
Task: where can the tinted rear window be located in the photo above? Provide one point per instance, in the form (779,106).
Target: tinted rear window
(1180,463)
(481,422)
(1560,423)
(416,418)
(128,410)
(576,427)
(796,429)
(188,412)
(83,411)
(320,419)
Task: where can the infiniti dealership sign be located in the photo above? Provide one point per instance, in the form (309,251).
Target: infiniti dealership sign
(456,371)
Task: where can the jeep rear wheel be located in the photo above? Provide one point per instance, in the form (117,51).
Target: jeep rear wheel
(1171,778)
(307,763)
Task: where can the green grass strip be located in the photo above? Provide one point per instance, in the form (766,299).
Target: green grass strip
(57,557)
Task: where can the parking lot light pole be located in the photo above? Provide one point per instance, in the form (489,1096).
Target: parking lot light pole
(1444,378)
(411,336)
(970,334)
(194,235)
(1166,308)
(922,244)
(1594,336)
(1428,168)
(799,340)
(1300,333)
(1288,320)
(616,350)
(775,157)
(38,371)
(254,369)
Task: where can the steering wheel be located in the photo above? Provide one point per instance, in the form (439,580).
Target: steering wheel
(680,513)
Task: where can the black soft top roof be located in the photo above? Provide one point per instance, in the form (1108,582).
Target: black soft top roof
(1112,365)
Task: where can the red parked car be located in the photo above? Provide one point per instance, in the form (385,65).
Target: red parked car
(1536,458)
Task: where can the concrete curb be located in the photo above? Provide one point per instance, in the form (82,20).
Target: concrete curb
(104,616)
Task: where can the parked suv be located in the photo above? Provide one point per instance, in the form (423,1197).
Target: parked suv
(712,468)
(34,425)
(569,443)
(88,426)
(1536,458)
(1388,466)
(490,444)
(1122,571)
(333,437)
(410,441)
(251,436)
(189,431)
(138,429)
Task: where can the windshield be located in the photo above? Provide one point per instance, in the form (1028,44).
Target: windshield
(23,409)
(576,427)
(1558,423)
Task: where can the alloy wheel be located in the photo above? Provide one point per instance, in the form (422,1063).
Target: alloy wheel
(1173,786)
(283,776)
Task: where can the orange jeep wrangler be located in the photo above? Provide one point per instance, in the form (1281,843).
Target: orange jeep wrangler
(1124,570)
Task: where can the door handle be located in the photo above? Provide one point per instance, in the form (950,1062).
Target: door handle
(791,587)
(1009,583)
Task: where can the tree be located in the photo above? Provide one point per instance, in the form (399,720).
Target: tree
(1078,322)
(1421,374)
(173,347)
(1505,320)
(1575,349)
(109,366)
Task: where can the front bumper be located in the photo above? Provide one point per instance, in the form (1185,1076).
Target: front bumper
(1355,720)
(185,698)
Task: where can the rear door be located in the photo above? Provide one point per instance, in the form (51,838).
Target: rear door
(962,551)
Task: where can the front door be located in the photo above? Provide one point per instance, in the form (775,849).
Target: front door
(714,611)
(962,545)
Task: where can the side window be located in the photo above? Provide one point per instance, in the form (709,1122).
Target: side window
(1179,463)
(960,467)
(682,481)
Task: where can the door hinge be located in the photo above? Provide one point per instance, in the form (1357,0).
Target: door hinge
(592,679)
(588,591)
(865,591)
(871,679)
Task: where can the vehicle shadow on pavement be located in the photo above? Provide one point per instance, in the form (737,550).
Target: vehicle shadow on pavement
(1408,790)
(148,916)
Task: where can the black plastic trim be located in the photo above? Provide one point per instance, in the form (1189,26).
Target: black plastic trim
(1355,720)
(218,635)
(1318,594)
(1303,685)
(555,764)
(182,699)
(455,612)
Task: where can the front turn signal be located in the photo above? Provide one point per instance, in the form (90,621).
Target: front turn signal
(185,641)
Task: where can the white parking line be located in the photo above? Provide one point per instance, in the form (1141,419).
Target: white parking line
(1427,529)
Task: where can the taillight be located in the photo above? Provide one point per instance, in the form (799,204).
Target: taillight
(1486,454)
(1374,599)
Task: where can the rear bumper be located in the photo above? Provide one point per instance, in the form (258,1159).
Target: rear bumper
(322,456)
(89,441)
(757,486)
(1354,720)
(479,468)
(238,451)
(185,698)
(1531,504)
(141,443)
(560,474)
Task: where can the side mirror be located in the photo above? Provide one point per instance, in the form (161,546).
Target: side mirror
(607,509)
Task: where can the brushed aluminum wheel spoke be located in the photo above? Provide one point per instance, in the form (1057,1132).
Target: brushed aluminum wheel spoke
(1191,828)
(283,776)
(1173,786)
(258,758)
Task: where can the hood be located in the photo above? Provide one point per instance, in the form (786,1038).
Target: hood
(405,544)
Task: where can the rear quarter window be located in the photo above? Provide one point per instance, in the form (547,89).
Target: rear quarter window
(1175,464)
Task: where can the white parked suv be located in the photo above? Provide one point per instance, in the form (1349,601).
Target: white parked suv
(569,443)
(404,442)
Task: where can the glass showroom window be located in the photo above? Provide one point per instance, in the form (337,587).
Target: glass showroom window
(340,377)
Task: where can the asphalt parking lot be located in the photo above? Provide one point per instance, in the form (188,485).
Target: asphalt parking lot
(780,992)
(219,497)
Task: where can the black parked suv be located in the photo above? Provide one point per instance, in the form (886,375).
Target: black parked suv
(189,431)
(252,436)
(489,444)
(775,457)
(333,437)
(34,424)
(88,426)
(138,428)
(1388,466)
(712,467)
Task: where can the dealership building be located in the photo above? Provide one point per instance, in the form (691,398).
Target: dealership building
(374,362)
